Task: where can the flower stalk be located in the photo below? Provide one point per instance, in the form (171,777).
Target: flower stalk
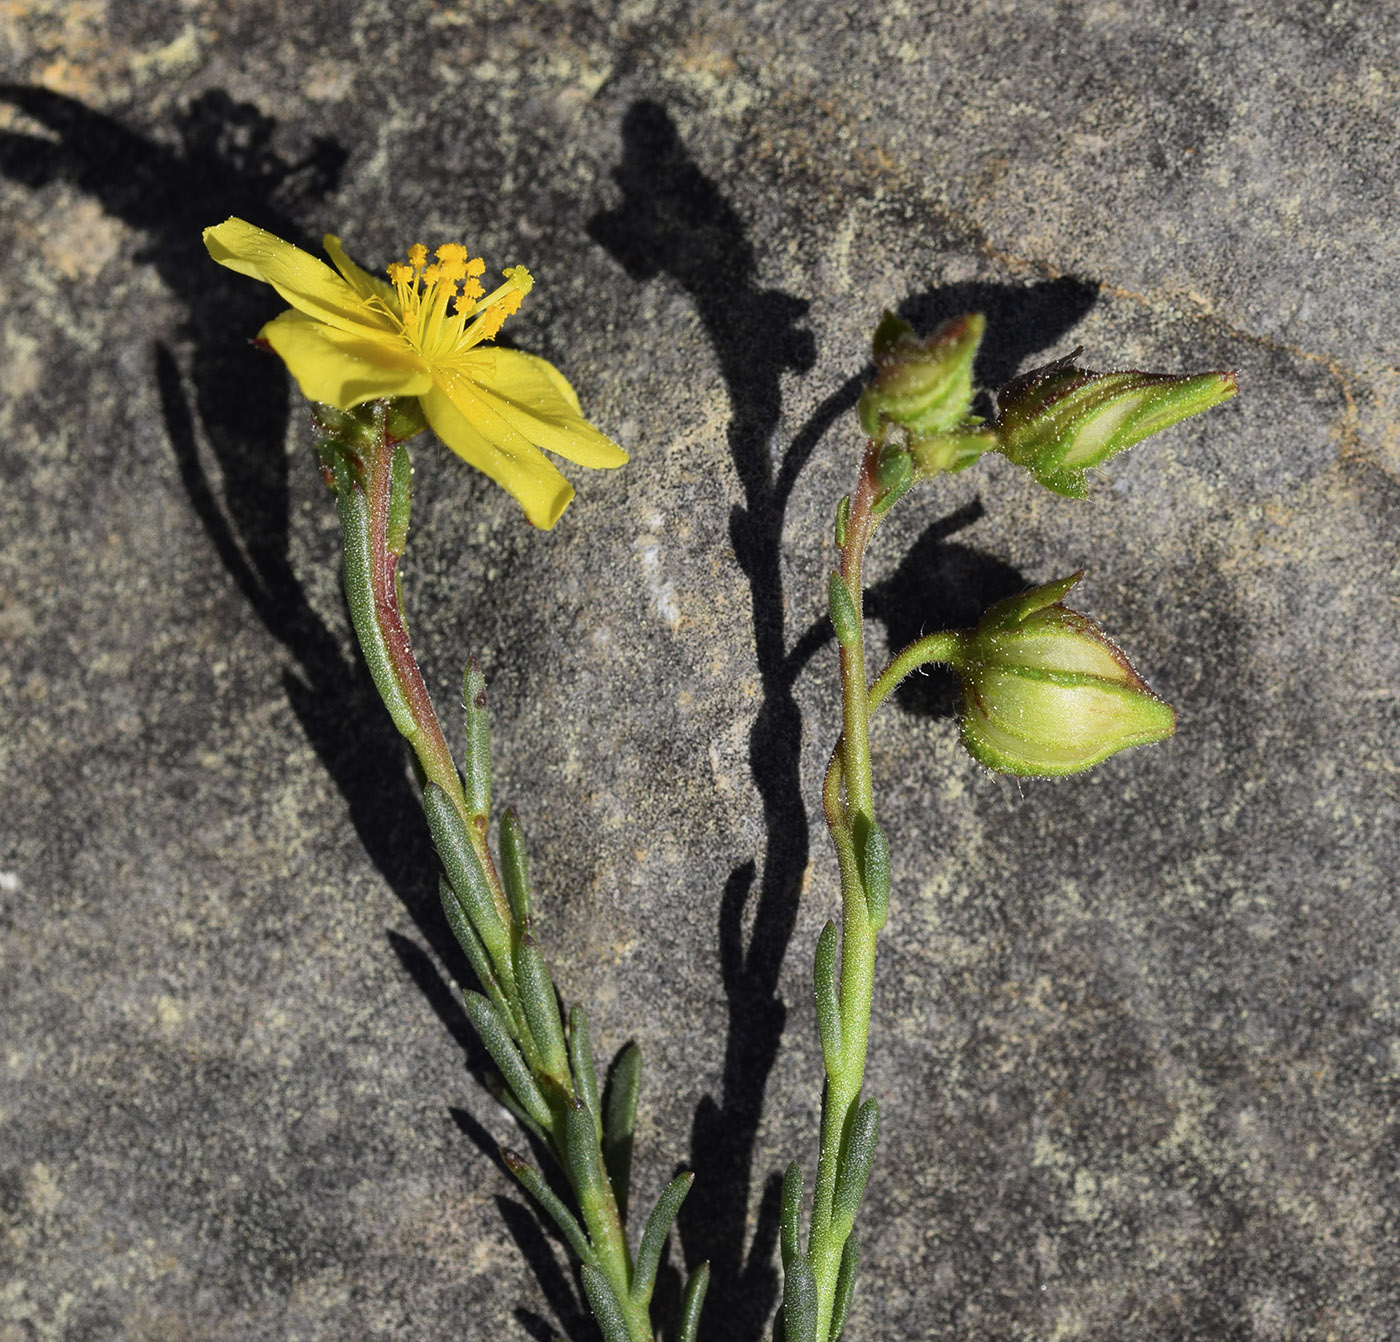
(546,1070)
(1044,693)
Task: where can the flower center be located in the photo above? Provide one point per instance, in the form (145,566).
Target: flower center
(425,293)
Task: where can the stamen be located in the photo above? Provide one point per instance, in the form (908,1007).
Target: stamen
(417,256)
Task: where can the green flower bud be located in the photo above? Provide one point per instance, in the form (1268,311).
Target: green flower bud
(1045,692)
(1059,420)
(921,385)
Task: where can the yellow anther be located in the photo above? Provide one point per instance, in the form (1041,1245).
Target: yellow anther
(471,288)
(417,256)
(476,266)
(451,251)
(491,322)
(431,275)
(453,269)
(400,273)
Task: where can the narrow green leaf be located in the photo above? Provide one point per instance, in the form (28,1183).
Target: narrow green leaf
(790,1217)
(541,1007)
(463,869)
(843,520)
(514,874)
(845,1286)
(619,1121)
(658,1226)
(507,1102)
(691,1303)
(854,1167)
(400,500)
(828,998)
(495,1035)
(875,873)
(476,763)
(581,1064)
(607,1310)
(590,1179)
(799,1301)
(843,611)
(359,596)
(535,1185)
(470,943)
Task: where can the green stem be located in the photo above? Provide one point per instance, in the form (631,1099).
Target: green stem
(372,591)
(849,807)
(848,819)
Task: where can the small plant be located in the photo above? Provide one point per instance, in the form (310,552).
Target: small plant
(1044,693)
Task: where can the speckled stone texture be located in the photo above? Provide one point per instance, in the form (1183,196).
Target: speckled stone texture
(1137,1034)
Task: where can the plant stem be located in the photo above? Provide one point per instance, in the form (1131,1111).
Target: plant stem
(366,497)
(848,819)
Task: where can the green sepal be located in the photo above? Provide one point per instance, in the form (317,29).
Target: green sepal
(790,1215)
(403,418)
(620,1121)
(535,1185)
(496,1037)
(845,1286)
(874,850)
(843,611)
(359,429)
(476,763)
(692,1302)
(889,333)
(581,1065)
(658,1226)
(541,1006)
(607,1309)
(799,1301)
(400,500)
(858,1150)
(952,450)
(515,874)
(828,998)
(463,867)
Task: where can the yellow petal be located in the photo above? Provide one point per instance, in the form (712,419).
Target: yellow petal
(344,369)
(361,281)
(307,284)
(480,437)
(536,400)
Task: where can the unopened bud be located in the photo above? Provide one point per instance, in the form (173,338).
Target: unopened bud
(1045,692)
(921,385)
(1059,420)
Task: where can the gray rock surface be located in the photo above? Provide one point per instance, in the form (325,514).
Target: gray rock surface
(1137,1034)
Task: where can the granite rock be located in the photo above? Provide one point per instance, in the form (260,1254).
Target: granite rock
(1137,1038)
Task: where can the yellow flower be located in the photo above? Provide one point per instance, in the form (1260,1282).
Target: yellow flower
(353,338)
